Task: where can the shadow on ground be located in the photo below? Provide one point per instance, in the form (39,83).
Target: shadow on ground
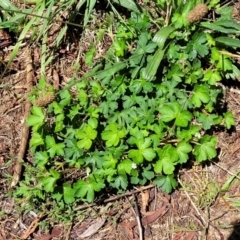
(235,235)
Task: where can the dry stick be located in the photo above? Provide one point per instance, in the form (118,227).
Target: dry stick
(229,172)
(194,206)
(1,237)
(155,198)
(115,198)
(25,131)
(31,228)
(230,54)
(68,232)
(137,215)
(231,95)
(12,109)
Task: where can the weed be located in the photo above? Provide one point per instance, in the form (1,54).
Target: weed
(146,109)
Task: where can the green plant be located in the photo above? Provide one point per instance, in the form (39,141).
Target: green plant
(40,21)
(147,108)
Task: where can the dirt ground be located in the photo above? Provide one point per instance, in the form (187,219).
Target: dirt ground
(198,209)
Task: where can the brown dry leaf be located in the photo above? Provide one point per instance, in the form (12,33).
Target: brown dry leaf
(235,147)
(190,235)
(5,39)
(148,219)
(56,231)
(91,230)
(145,199)
(148,213)
(178,235)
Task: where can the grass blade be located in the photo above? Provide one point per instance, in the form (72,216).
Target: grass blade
(88,11)
(129,4)
(162,35)
(45,24)
(153,66)
(101,74)
(80,4)
(111,71)
(215,27)
(21,38)
(6,4)
(228,24)
(227,184)
(230,42)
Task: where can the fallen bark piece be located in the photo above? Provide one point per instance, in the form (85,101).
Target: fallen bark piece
(25,131)
(145,199)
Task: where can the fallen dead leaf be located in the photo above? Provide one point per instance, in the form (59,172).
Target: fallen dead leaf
(148,219)
(91,230)
(56,231)
(235,147)
(148,213)
(5,39)
(178,235)
(190,235)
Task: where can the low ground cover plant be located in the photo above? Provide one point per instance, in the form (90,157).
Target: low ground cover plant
(147,108)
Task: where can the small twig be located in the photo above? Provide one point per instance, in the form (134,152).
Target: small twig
(116,197)
(25,131)
(20,87)
(137,215)
(218,231)
(194,206)
(229,172)
(68,232)
(3,235)
(230,54)
(12,109)
(31,228)
(234,99)
(155,198)
(216,218)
